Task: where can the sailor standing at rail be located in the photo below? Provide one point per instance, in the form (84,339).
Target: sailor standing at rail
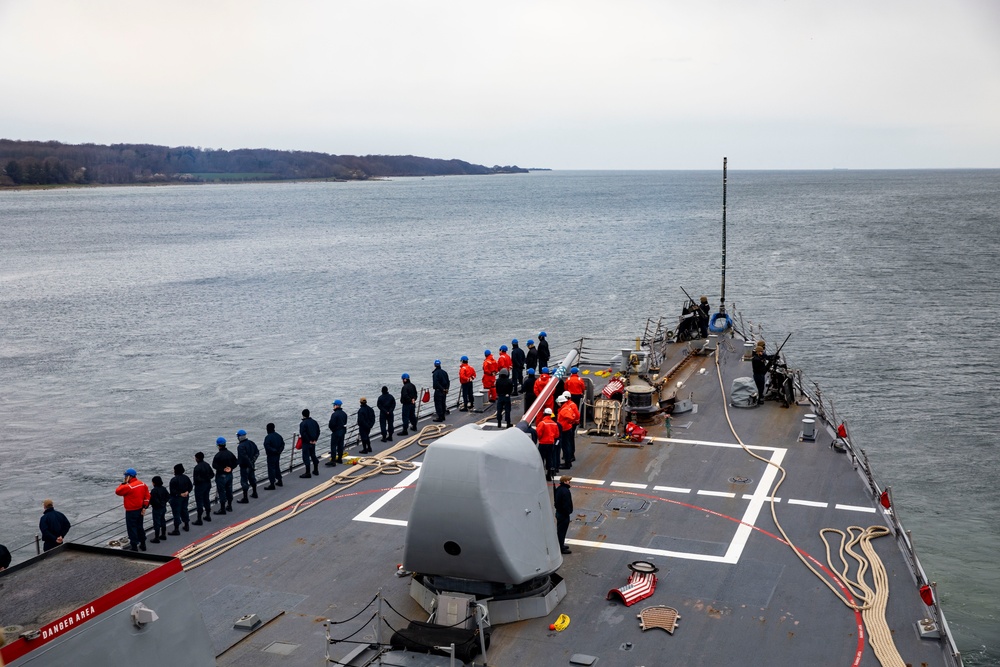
(528,387)
(338,430)
(440,383)
(543,350)
(274,444)
(576,387)
(386,405)
(517,360)
(466,374)
(366,422)
(180,488)
(504,389)
(135,497)
(703,315)
(490,375)
(531,357)
(759,361)
(247,453)
(309,432)
(408,399)
(203,476)
(224,463)
(53,525)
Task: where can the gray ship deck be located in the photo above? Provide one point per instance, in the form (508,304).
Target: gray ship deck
(743,597)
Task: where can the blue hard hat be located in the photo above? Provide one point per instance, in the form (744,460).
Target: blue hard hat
(131,472)
(574,370)
(545,370)
(406,376)
(531,371)
(338,402)
(487,353)
(240,432)
(541,334)
(513,342)
(503,348)
(220,440)
(464,358)
(531,342)
(437,362)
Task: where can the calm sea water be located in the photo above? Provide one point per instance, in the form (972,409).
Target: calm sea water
(140,323)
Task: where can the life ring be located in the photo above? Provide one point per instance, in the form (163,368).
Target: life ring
(715,328)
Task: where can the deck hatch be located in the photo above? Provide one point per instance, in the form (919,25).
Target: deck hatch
(627,504)
(280,648)
(740,479)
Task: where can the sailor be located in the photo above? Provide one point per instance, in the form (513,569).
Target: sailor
(504,360)
(540,383)
(441,384)
(274,444)
(543,350)
(180,492)
(504,389)
(202,479)
(338,431)
(386,405)
(408,399)
(759,361)
(135,497)
(531,357)
(53,525)
(309,432)
(366,422)
(159,498)
(548,433)
(703,314)
(568,417)
(528,387)
(490,375)
(517,359)
(247,453)
(576,386)
(224,463)
(563,501)
(466,374)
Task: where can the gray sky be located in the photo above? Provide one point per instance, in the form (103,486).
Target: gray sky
(621,84)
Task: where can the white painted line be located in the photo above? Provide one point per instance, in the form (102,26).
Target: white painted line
(646,551)
(719,494)
(671,489)
(368,513)
(709,443)
(753,508)
(627,485)
(807,503)
(584,480)
(855,508)
(748,496)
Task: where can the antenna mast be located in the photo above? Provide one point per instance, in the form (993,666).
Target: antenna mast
(722,302)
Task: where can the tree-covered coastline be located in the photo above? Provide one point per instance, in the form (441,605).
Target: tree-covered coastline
(32,163)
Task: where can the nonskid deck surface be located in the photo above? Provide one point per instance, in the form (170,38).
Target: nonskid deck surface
(694,503)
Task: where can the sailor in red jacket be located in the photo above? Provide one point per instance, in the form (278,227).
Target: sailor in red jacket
(135,495)
(466,374)
(490,369)
(504,360)
(568,418)
(540,382)
(575,386)
(548,433)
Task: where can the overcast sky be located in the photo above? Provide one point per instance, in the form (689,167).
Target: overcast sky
(620,84)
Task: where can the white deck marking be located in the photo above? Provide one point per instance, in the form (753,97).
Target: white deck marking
(717,494)
(368,513)
(750,496)
(646,551)
(749,519)
(807,503)
(855,508)
(715,444)
(671,489)
(629,485)
(584,480)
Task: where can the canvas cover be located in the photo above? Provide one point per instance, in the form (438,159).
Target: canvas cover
(743,393)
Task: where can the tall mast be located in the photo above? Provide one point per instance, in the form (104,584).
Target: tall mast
(722,302)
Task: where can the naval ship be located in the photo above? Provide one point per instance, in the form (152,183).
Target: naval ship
(712,524)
